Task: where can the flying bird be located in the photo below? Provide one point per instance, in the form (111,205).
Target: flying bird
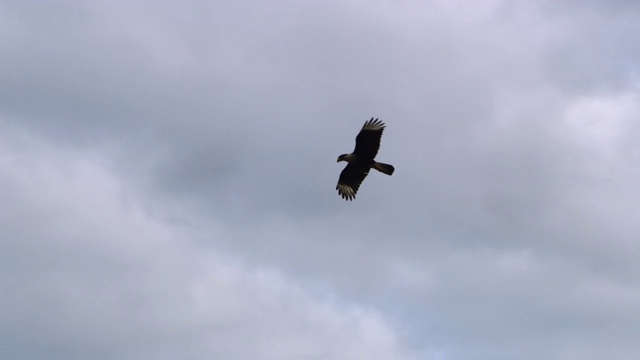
(361,160)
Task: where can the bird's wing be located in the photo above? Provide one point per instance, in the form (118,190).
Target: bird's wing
(350,179)
(368,140)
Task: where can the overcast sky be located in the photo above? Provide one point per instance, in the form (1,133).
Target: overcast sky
(168,172)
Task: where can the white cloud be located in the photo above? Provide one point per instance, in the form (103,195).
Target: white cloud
(602,122)
(172,168)
(92,275)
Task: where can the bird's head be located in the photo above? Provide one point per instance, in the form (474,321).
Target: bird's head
(342,157)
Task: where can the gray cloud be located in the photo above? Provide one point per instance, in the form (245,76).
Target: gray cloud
(168,173)
(87,273)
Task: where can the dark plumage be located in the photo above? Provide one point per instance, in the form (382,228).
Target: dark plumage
(362,159)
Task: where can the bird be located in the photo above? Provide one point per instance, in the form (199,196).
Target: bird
(361,160)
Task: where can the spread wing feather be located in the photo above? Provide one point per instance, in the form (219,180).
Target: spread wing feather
(350,179)
(368,140)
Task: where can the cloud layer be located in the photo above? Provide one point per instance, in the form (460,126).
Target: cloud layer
(168,175)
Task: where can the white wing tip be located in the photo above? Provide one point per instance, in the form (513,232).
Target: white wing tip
(374,124)
(346,191)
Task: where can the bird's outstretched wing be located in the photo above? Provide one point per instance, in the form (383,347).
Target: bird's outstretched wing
(368,140)
(350,179)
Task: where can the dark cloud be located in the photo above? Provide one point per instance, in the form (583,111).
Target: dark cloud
(169,173)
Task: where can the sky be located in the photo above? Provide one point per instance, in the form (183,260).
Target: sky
(168,171)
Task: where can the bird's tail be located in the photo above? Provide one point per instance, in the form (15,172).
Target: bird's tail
(383,168)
